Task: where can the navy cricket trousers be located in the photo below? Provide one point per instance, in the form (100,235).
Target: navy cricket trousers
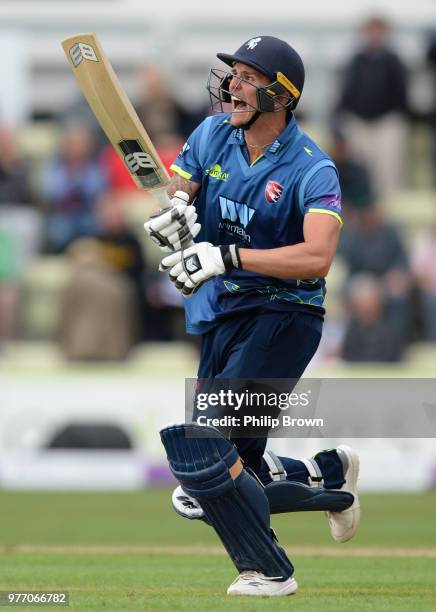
(257,345)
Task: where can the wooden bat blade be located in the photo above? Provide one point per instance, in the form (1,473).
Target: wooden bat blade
(114,111)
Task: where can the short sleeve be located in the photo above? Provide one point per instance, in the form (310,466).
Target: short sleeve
(322,193)
(187,164)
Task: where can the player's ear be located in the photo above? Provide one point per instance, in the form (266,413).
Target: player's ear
(283,98)
(283,101)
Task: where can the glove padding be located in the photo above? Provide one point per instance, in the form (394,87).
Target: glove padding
(174,227)
(191,267)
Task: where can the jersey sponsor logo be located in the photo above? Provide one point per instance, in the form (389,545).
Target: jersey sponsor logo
(252,43)
(273,191)
(332,201)
(81,51)
(235,218)
(236,211)
(217,173)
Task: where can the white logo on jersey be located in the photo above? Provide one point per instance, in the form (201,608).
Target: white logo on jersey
(253,42)
(236,211)
(82,51)
(139,160)
(184,149)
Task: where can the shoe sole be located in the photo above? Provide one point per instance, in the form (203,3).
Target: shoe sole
(352,477)
(289,590)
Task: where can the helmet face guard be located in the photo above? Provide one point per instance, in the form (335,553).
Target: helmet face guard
(270,98)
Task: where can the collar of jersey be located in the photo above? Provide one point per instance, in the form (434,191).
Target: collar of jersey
(275,150)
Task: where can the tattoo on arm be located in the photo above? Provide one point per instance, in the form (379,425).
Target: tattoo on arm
(178,183)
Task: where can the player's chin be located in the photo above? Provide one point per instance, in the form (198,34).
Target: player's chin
(240,118)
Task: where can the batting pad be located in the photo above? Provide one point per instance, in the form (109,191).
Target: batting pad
(288,496)
(237,509)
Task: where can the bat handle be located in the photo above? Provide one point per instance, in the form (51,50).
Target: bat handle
(161,196)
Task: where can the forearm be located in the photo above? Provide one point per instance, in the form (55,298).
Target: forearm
(163,196)
(298,261)
(180,184)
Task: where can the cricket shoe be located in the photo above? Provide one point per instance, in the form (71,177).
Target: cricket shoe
(343,525)
(255,583)
(186,506)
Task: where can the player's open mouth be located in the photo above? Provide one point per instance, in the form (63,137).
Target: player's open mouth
(239,105)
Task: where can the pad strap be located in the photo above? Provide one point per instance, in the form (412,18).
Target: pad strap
(287,496)
(276,468)
(315,478)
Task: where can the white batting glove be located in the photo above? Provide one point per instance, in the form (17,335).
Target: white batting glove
(190,268)
(174,227)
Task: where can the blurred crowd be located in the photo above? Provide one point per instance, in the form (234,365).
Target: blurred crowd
(81,211)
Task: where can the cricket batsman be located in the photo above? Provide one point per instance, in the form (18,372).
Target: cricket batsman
(252,231)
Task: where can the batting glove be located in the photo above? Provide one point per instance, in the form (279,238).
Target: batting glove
(190,268)
(174,227)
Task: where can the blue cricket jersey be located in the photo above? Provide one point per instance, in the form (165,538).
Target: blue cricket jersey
(258,206)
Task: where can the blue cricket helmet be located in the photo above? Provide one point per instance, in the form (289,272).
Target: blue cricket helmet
(273,57)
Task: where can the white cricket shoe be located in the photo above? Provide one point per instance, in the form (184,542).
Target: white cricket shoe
(185,505)
(255,583)
(343,525)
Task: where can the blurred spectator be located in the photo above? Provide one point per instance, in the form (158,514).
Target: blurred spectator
(168,147)
(373,246)
(157,305)
(110,289)
(165,314)
(372,104)
(79,113)
(97,319)
(159,111)
(14,172)
(9,288)
(431,58)
(73,183)
(121,251)
(424,272)
(356,185)
(370,335)
(118,177)
(21,227)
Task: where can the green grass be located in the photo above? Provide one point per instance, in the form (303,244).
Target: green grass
(144,582)
(147,518)
(139,580)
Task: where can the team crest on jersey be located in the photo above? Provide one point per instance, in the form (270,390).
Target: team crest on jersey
(273,191)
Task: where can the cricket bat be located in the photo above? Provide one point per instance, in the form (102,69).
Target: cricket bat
(115,113)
